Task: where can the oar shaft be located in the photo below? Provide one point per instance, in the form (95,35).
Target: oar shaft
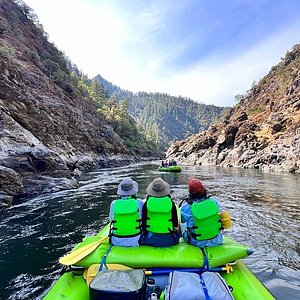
(195,270)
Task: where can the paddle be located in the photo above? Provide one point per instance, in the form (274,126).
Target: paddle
(78,254)
(225,219)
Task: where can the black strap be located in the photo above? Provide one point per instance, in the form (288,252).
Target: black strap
(174,215)
(127,236)
(194,235)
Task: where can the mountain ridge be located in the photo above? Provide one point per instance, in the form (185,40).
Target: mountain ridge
(165,118)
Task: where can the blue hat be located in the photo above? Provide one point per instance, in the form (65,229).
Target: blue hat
(127,187)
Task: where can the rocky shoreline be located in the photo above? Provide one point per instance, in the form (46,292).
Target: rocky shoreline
(50,129)
(231,149)
(15,185)
(262,131)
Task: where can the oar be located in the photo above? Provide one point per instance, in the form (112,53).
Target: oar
(78,254)
(228,268)
(225,219)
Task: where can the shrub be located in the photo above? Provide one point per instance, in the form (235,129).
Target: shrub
(255,110)
(6,51)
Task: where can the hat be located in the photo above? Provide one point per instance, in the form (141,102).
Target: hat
(127,187)
(158,188)
(195,186)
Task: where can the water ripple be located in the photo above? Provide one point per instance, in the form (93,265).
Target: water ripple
(264,207)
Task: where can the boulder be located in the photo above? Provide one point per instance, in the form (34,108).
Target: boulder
(10,182)
(242,117)
(5,200)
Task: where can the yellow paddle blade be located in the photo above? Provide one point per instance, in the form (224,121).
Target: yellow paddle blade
(225,219)
(79,254)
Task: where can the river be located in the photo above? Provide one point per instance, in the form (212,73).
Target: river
(264,208)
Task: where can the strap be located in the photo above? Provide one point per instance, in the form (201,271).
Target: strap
(103,261)
(182,201)
(207,297)
(194,235)
(174,215)
(206,262)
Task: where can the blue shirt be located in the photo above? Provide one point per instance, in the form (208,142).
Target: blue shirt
(188,221)
(126,241)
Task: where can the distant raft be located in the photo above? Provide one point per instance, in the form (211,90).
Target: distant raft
(175,169)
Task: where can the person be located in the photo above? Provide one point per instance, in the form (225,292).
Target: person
(159,216)
(200,220)
(172,162)
(126,215)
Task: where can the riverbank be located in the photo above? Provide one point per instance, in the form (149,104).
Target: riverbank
(46,172)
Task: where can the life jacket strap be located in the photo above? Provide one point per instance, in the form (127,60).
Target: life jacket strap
(194,235)
(127,236)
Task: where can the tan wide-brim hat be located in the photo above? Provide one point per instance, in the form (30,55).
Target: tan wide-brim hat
(158,188)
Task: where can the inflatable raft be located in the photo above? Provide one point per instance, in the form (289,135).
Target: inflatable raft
(175,169)
(73,283)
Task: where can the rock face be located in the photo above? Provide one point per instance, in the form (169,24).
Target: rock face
(48,132)
(262,131)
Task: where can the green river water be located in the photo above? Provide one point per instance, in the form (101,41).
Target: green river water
(264,207)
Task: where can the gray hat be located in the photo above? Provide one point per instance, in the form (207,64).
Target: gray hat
(127,187)
(158,188)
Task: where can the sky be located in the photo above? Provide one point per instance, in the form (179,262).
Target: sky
(207,50)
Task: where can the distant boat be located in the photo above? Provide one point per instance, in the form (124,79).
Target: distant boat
(170,169)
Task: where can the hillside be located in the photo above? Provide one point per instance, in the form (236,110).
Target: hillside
(165,118)
(53,125)
(262,131)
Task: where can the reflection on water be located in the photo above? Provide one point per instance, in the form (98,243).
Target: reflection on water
(264,207)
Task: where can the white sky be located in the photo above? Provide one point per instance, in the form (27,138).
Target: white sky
(168,46)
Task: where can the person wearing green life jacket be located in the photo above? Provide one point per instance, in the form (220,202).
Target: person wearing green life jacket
(159,216)
(126,215)
(200,220)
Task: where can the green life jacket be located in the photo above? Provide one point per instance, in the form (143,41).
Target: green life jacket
(159,215)
(207,223)
(126,222)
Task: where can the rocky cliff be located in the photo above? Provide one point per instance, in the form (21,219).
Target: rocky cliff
(48,131)
(262,131)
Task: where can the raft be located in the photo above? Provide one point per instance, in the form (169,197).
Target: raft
(175,169)
(72,284)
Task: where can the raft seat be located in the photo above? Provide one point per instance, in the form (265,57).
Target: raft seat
(181,255)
